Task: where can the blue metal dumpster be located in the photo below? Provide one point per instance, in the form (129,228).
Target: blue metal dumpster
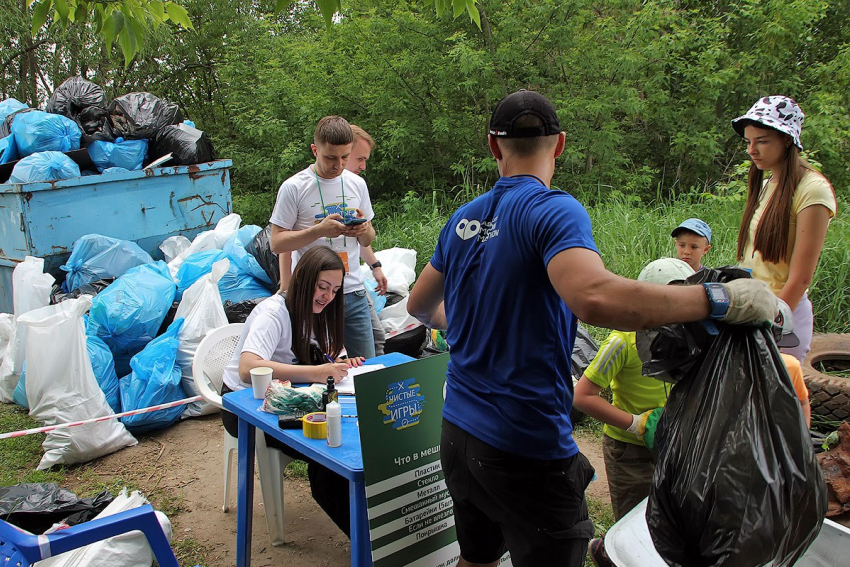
(147,206)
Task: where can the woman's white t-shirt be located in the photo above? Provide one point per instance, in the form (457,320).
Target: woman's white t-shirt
(268,334)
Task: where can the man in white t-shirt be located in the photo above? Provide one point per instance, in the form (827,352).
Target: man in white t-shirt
(316,206)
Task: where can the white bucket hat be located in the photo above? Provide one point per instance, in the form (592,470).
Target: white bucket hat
(777,112)
(665,270)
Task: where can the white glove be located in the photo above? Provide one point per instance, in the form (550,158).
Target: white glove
(751,302)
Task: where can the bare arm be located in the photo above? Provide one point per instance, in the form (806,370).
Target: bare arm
(812,223)
(285,261)
(285,240)
(601,298)
(806,406)
(292,372)
(426,298)
(587,399)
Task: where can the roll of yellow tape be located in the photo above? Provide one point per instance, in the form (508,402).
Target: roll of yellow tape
(315,425)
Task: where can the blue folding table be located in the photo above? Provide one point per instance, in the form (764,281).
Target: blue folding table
(346,460)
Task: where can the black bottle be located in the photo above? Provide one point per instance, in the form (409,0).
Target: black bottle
(329,395)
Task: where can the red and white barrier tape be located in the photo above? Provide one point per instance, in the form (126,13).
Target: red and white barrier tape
(47,428)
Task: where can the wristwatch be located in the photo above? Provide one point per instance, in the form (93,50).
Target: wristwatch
(375,265)
(718,299)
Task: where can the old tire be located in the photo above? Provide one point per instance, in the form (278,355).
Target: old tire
(829,395)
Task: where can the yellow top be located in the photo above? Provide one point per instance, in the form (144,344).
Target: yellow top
(813,189)
(618,366)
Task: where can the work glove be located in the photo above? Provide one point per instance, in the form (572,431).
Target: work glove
(643,425)
(751,302)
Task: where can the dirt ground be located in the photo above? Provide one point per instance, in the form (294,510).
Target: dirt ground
(185,462)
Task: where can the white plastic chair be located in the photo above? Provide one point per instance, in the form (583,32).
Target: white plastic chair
(213,354)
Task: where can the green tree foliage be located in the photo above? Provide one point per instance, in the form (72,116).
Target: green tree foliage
(645,90)
(128,23)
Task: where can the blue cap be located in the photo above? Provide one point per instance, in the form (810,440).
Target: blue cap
(694,225)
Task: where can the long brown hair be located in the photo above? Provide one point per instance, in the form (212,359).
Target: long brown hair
(772,232)
(327,326)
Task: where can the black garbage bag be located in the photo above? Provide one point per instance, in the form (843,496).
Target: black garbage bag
(91,288)
(138,116)
(187,145)
(238,312)
(261,249)
(411,342)
(169,318)
(92,120)
(736,482)
(584,351)
(76,95)
(35,507)
(670,352)
(6,127)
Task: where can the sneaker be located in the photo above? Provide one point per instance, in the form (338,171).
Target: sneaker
(596,550)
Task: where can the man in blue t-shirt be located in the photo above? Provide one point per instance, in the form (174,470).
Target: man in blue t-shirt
(511,273)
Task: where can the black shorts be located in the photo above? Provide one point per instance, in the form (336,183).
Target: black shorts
(535,509)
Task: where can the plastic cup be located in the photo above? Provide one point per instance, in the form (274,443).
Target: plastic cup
(261,377)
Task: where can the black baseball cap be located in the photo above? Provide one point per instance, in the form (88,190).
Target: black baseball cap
(518,104)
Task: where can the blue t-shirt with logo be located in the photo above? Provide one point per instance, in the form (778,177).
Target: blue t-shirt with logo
(511,335)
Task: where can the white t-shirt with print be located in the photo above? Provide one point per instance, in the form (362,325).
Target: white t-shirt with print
(268,334)
(304,200)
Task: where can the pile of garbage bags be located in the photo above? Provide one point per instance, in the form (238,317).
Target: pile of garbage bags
(118,332)
(125,134)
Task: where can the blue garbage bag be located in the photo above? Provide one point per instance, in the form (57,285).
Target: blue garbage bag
(111,170)
(8,150)
(236,285)
(379,301)
(128,313)
(196,266)
(97,257)
(9,106)
(104,371)
(19,396)
(129,154)
(39,131)
(156,379)
(235,247)
(44,166)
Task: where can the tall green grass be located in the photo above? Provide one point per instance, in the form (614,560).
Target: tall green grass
(630,234)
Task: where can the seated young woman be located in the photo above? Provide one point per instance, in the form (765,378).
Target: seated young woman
(294,335)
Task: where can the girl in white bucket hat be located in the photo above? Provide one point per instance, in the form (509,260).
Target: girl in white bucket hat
(786,216)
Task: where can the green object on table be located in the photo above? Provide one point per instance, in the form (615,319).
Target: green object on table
(284,400)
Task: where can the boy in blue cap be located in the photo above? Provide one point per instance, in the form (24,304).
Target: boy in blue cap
(693,240)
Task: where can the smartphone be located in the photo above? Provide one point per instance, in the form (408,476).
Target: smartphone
(351,221)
